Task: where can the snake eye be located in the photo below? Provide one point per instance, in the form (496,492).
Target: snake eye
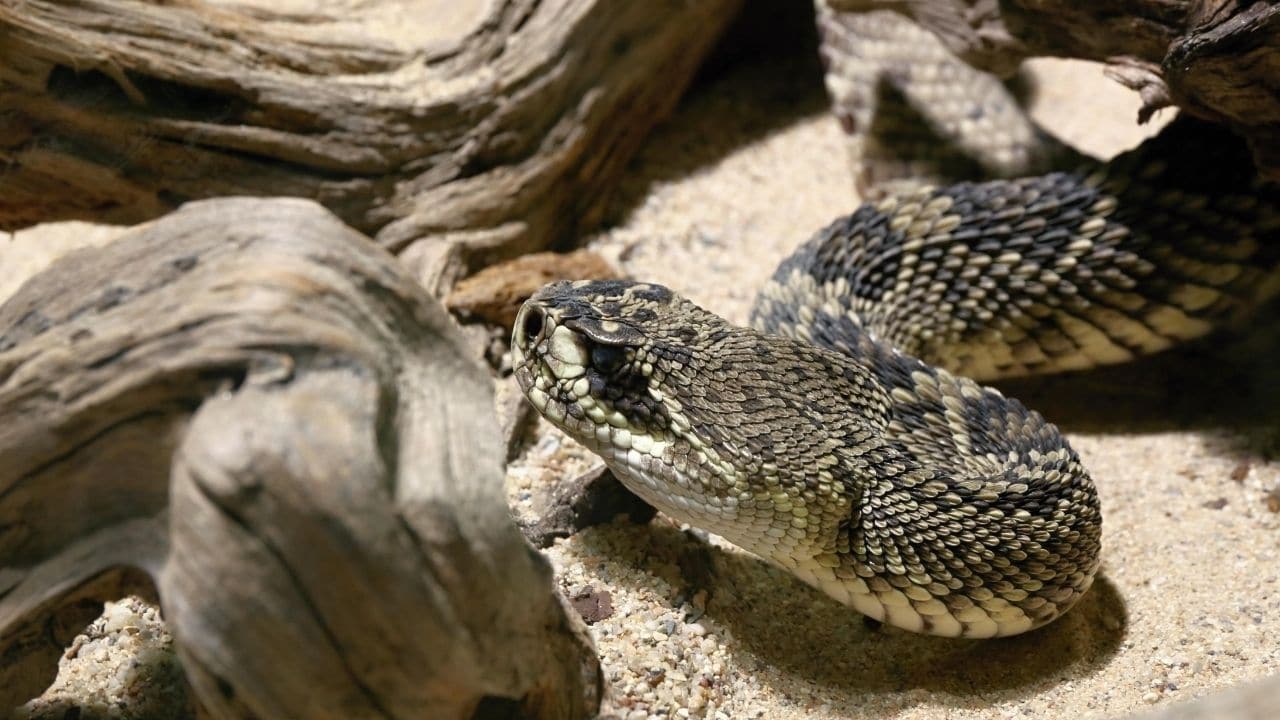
(607,358)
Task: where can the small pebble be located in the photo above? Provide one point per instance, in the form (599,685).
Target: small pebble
(1240,471)
(1272,500)
(117,617)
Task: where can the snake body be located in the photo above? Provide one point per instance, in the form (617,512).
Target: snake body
(1048,273)
(913,495)
(844,437)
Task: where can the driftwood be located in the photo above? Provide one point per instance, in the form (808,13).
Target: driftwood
(488,128)
(1215,59)
(259,409)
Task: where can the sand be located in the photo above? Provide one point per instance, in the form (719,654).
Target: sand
(1187,602)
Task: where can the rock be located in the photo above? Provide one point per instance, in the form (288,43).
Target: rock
(593,605)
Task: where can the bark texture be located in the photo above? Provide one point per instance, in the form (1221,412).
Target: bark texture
(487,129)
(1215,59)
(258,409)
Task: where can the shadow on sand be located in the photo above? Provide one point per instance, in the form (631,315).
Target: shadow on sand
(1227,385)
(774,619)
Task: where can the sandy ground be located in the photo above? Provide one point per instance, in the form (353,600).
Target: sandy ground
(1188,601)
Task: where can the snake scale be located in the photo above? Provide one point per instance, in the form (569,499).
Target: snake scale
(845,438)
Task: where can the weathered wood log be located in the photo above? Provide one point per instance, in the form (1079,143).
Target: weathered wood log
(261,410)
(1215,59)
(489,128)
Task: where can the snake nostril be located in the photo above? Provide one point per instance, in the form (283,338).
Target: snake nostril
(533,321)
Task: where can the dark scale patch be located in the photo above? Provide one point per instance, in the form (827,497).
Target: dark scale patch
(672,354)
(625,388)
(1196,223)
(1215,168)
(857,247)
(572,307)
(684,334)
(653,293)
(890,526)
(1151,254)
(602,288)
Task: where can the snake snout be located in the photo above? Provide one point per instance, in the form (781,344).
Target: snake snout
(542,344)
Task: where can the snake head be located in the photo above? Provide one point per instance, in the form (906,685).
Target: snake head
(590,355)
(674,397)
(663,391)
(620,364)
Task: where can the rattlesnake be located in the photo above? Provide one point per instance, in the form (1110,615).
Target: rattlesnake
(845,438)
